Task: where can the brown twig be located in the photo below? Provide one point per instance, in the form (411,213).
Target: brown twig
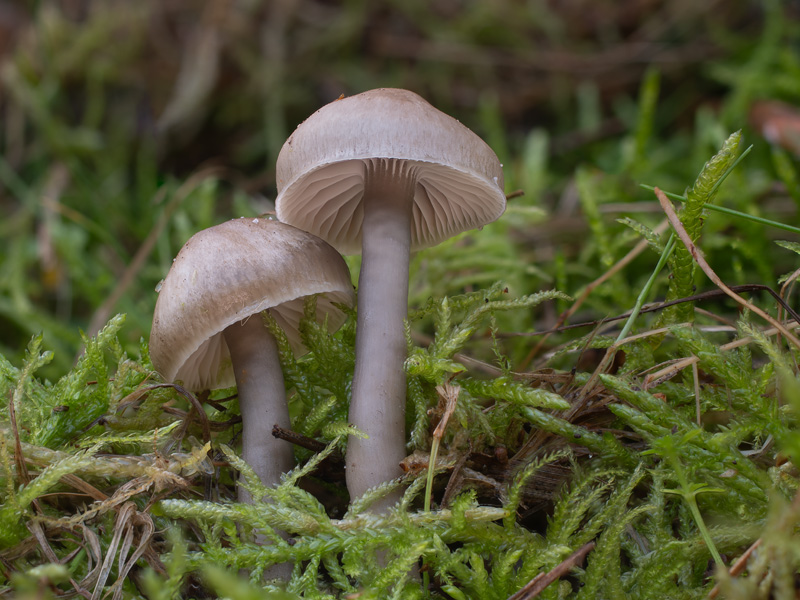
(737,567)
(297,439)
(741,562)
(538,584)
(746,287)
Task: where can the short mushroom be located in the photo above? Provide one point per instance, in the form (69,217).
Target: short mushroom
(384,173)
(208,332)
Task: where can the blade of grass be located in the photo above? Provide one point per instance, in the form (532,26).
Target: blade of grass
(730,211)
(646,289)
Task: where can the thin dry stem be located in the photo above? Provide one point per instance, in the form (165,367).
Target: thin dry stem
(697,254)
(666,373)
(449,393)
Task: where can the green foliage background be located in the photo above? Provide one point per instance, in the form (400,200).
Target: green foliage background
(126,127)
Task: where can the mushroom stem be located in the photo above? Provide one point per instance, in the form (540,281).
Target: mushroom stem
(378,400)
(262,400)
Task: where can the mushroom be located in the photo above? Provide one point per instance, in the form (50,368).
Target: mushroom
(208,332)
(384,173)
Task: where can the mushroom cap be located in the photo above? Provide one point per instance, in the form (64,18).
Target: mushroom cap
(320,169)
(229,272)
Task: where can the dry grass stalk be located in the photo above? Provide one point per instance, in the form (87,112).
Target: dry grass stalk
(697,254)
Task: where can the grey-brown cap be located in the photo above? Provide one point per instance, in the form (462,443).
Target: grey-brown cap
(229,272)
(320,169)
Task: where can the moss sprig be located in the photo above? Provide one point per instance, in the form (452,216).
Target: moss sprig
(700,193)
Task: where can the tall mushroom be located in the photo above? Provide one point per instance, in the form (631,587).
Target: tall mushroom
(384,173)
(207,327)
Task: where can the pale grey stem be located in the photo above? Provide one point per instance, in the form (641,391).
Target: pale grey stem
(262,400)
(378,400)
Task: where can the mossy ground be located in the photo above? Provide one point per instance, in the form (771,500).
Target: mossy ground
(653,456)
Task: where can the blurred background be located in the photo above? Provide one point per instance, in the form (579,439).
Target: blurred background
(125,127)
